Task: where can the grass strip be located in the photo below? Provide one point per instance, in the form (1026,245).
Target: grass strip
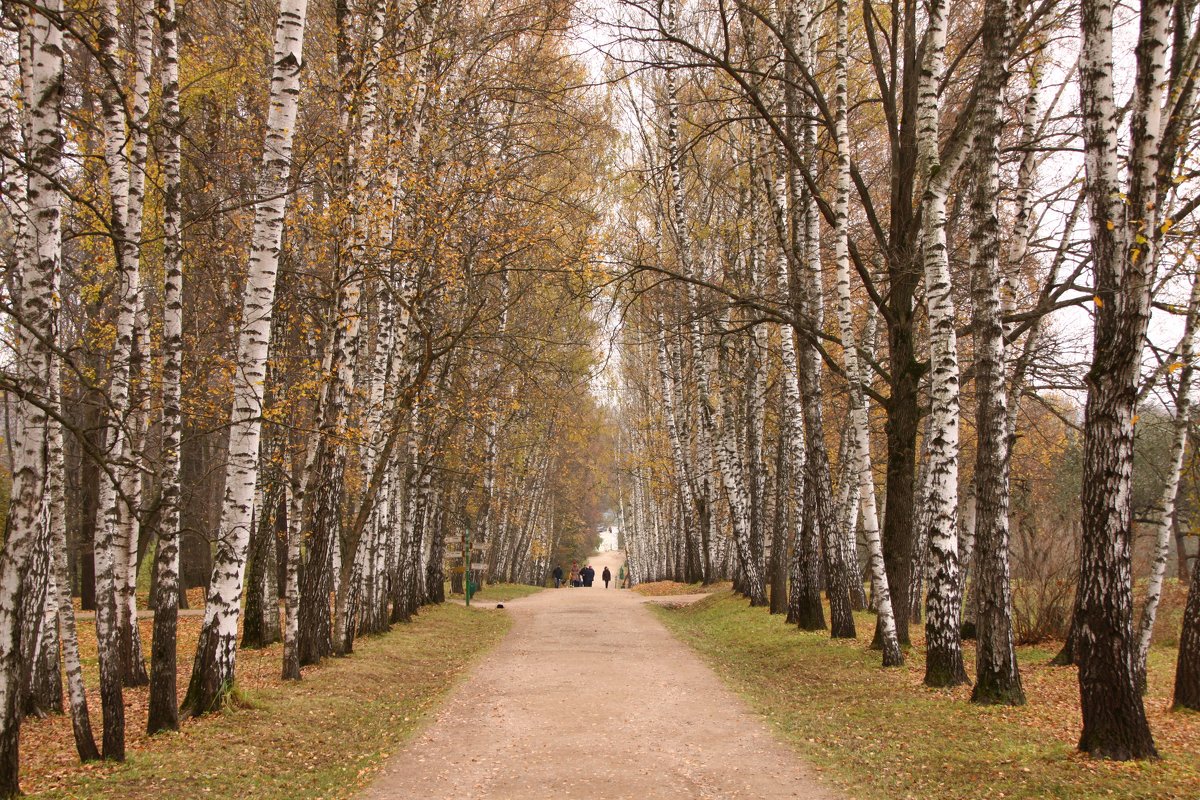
(322,737)
(503,592)
(876,733)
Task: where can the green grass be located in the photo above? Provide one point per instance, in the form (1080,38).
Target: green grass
(501,592)
(322,737)
(875,733)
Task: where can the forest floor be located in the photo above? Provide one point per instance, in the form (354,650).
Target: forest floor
(321,737)
(671,588)
(876,733)
(589,695)
(495,593)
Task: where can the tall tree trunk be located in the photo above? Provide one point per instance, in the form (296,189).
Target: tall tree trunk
(216,653)
(840,574)
(804,596)
(943,659)
(722,441)
(323,571)
(1184,356)
(998,679)
(1187,668)
(42,71)
(1123,237)
(291,592)
(111,557)
(682,472)
(133,667)
(163,712)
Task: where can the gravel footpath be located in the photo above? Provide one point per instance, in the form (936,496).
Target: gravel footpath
(590,696)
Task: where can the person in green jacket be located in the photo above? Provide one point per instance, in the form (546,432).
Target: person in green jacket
(621,577)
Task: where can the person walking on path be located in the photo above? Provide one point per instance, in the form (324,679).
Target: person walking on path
(576,577)
(588,574)
(621,577)
(558,573)
(607,576)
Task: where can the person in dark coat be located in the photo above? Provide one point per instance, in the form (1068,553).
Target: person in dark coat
(588,574)
(558,575)
(607,576)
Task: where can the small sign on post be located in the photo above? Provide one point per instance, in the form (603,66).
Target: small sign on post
(462,547)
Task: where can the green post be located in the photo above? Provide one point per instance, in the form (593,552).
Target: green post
(468,586)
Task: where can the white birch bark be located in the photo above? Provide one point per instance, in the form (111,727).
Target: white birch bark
(943,662)
(42,71)
(85,742)
(1184,356)
(790,368)
(998,678)
(683,474)
(734,484)
(213,671)
(1122,239)
(163,710)
(491,435)
(133,664)
(110,555)
(291,591)
(841,247)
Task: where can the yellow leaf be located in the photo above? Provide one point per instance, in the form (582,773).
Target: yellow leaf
(1099,303)
(1135,419)
(1176,366)
(1110,225)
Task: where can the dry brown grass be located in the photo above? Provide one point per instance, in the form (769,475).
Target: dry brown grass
(666,588)
(320,737)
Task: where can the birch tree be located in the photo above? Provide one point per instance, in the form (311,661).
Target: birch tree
(213,670)
(1183,356)
(163,712)
(42,82)
(998,679)
(943,658)
(1124,237)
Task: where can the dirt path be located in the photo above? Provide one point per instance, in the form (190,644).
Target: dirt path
(588,695)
